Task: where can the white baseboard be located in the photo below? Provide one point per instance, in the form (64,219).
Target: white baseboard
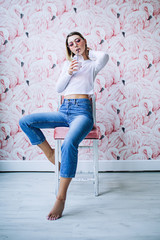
(83,166)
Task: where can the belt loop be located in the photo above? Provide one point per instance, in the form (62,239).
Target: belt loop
(74,101)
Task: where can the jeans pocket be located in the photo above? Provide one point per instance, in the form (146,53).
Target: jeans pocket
(84,106)
(63,106)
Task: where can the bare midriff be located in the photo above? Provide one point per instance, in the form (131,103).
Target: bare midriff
(76,96)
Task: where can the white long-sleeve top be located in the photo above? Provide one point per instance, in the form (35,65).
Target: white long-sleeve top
(82,81)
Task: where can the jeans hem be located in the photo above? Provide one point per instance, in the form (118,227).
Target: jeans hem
(66,176)
(39,142)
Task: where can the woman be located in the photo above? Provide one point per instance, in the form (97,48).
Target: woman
(75,112)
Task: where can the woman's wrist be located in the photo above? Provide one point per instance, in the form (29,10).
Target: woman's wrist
(91,53)
(88,51)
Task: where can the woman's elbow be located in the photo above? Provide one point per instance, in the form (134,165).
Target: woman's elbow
(59,90)
(106,58)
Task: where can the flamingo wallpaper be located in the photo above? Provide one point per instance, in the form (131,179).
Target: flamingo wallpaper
(127,90)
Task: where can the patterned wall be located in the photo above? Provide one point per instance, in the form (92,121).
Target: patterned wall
(32,47)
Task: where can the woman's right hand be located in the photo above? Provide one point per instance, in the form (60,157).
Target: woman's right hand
(73,67)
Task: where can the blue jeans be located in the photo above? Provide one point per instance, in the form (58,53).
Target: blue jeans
(73,113)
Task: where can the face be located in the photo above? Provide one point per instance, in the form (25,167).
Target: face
(77,44)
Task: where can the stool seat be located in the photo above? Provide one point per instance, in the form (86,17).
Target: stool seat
(61,132)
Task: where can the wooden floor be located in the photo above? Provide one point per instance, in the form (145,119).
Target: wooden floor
(127,208)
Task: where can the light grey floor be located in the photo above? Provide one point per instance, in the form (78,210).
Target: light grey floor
(127,208)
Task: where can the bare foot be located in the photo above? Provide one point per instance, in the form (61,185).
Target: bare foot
(57,209)
(51,158)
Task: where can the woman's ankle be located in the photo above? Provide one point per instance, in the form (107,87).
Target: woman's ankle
(61,197)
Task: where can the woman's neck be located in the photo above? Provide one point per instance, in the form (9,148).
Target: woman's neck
(84,56)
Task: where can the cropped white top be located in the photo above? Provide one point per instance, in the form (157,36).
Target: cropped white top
(82,81)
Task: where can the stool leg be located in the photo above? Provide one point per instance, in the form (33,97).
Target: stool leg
(57,166)
(95,169)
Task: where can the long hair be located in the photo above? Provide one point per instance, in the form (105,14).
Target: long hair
(70,54)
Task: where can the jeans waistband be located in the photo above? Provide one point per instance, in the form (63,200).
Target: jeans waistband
(78,100)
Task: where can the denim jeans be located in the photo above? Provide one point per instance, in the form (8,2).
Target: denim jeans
(73,113)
